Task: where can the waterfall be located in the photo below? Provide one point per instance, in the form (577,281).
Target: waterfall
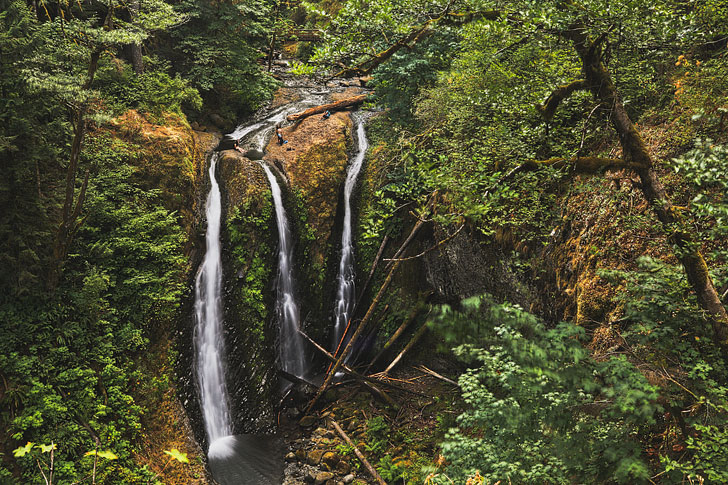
(345,291)
(291,347)
(209,343)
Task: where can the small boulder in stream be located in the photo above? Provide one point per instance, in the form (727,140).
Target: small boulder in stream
(255,154)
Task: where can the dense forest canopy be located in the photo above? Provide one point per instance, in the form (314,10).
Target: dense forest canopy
(585,140)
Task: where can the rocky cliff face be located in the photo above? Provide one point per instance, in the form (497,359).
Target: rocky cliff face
(169,157)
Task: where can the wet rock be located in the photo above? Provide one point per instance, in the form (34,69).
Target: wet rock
(291,457)
(301,454)
(307,421)
(348,479)
(218,120)
(343,468)
(310,476)
(314,457)
(323,477)
(255,154)
(330,458)
(319,432)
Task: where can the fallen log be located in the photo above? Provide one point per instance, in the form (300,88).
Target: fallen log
(406,349)
(359,454)
(338,105)
(370,311)
(356,375)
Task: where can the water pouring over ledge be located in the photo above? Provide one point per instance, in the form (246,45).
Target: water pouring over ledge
(209,343)
(291,349)
(345,293)
(233,459)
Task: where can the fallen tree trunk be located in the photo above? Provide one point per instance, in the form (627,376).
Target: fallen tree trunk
(358,454)
(406,349)
(354,374)
(338,105)
(370,311)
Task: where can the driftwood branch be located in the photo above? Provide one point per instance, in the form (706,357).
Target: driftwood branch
(438,376)
(370,311)
(549,107)
(354,374)
(437,245)
(407,347)
(358,454)
(338,105)
(364,381)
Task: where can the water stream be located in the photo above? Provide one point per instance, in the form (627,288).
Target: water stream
(345,293)
(209,343)
(291,348)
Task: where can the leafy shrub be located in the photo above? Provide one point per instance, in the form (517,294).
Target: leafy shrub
(666,330)
(540,409)
(154,91)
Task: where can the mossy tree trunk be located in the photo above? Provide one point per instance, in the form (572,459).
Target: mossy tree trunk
(635,152)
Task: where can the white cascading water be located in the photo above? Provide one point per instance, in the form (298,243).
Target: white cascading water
(209,342)
(291,349)
(345,292)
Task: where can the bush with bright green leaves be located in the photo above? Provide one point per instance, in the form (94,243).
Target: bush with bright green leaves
(539,409)
(664,331)
(70,360)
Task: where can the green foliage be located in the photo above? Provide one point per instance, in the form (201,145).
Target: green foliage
(154,91)
(177,455)
(390,471)
(540,410)
(255,258)
(399,81)
(70,359)
(218,50)
(664,328)
(705,167)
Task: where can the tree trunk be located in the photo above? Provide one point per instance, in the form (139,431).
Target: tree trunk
(137,61)
(635,151)
(71,211)
(344,103)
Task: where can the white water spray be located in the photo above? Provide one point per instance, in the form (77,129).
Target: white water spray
(291,349)
(345,293)
(209,344)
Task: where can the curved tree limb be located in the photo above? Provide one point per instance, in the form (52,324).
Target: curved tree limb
(548,108)
(416,35)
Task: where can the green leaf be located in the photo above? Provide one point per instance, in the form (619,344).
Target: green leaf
(23,450)
(177,455)
(48,448)
(108,454)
